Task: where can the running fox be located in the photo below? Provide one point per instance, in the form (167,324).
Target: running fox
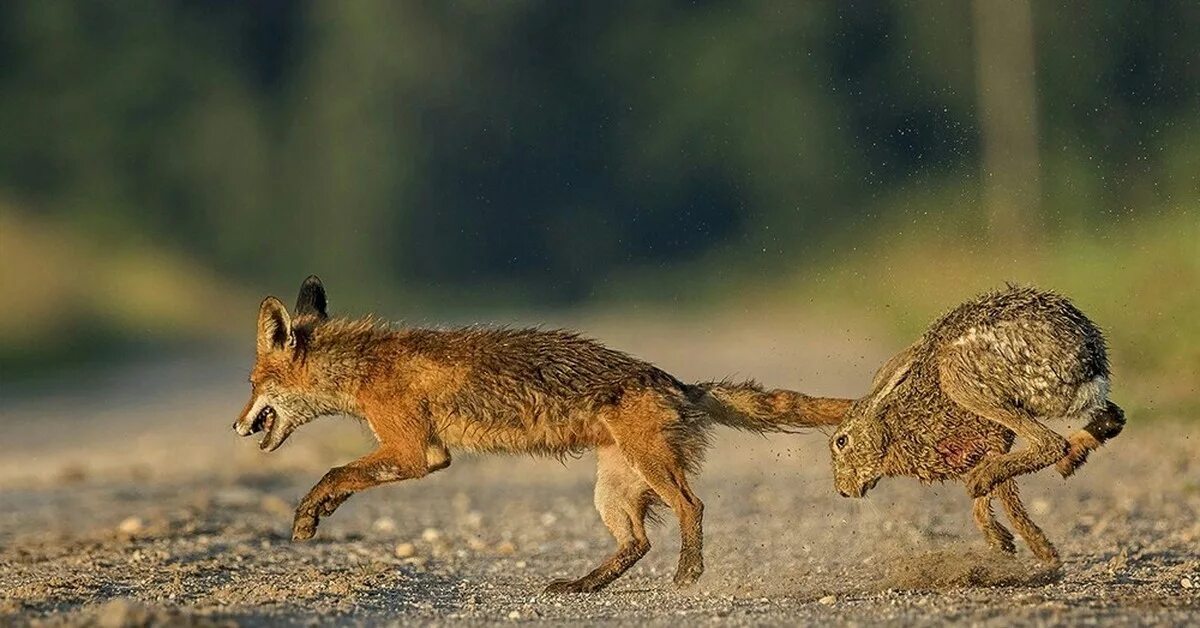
(424,392)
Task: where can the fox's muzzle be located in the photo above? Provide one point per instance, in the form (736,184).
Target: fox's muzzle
(257,416)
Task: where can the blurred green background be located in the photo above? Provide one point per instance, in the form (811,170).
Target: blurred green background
(165,164)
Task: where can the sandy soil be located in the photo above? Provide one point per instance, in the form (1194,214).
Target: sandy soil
(126,500)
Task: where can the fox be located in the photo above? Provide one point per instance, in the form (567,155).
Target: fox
(428,392)
(950,406)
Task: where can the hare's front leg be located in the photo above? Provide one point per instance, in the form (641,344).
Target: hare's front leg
(1010,499)
(998,537)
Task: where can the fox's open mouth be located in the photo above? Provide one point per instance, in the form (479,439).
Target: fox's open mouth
(264,420)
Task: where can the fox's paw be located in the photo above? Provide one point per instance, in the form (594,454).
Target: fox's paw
(688,572)
(331,503)
(983,478)
(304,526)
(582,585)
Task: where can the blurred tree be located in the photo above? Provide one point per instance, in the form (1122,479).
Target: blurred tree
(1008,119)
(538,149)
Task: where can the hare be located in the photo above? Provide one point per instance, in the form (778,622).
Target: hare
(950,405)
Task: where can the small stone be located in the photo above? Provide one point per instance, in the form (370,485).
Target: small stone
(1186,583)
(476,544)
(386,525)
(131,525)
(828,600)
(506,548)
(431,535)
(405,550)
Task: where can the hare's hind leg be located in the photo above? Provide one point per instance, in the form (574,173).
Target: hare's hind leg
(1043,447)
(1105,424)
(1010,499)
(998,537)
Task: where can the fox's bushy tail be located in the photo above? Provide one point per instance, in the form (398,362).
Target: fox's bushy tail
(746,406)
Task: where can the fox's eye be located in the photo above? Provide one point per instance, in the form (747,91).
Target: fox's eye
(840,442)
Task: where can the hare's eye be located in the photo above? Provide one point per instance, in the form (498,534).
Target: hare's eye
(840,442)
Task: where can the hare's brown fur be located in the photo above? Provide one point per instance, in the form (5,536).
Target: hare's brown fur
(950,405)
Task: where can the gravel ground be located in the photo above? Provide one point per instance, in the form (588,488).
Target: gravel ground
(131,503)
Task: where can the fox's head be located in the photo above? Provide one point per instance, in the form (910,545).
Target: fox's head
(860,444)
(289,385)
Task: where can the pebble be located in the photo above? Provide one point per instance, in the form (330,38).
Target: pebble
(385,525)
(1186,583)
(131,525)
(505,548)
(828,600)
(431,534)
(405,550)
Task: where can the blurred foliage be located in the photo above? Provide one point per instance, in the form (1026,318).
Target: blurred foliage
(542,153)
(541,144)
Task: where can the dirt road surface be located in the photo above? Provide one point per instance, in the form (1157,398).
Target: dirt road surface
(125,499)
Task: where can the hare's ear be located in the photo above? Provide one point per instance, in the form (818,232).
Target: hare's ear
(311,301)
(274,327)
(891,374)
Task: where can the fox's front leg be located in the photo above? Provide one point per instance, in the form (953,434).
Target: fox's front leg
(389,463)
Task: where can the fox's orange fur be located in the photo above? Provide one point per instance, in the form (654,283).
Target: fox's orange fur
(424,392)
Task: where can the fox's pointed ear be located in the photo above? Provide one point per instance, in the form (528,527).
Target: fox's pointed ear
(274,327)
(311,301)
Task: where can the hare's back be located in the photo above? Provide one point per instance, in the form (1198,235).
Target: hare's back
(1022,350)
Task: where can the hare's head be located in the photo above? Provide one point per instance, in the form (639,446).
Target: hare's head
(858,448)
(861,441)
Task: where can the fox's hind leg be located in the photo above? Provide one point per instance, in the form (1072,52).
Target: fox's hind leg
(998,537)
(1105,424)
(1041,547)
(622,497)
(663,444)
